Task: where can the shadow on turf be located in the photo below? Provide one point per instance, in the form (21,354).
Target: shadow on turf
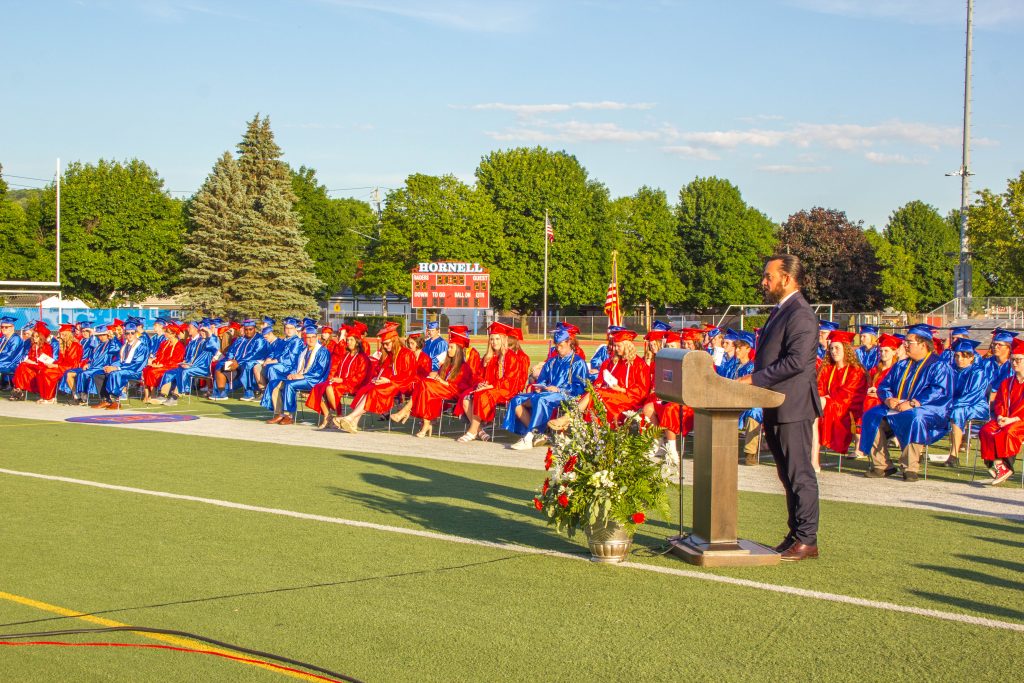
(1009,528)
(1000,541)
(271,591)
(499,513)
(972,605)
(925,504)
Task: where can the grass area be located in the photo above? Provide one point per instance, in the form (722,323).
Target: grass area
(385,606)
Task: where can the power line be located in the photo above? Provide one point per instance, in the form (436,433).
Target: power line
(25,177)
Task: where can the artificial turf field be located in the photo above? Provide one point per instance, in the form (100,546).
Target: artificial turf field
(386,606)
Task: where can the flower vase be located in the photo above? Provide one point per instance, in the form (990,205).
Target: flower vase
(609,542)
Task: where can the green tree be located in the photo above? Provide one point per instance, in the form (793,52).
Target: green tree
(522,183)
(648,245)
(218,213)
(930,241)
(895,288)
(724,244)
(995,225)
(840,264)
(434,218)
(333,229)
(121,232)
(20,257)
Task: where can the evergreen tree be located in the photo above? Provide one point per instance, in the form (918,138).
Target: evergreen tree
(216,215)
(930,242)
(724,243)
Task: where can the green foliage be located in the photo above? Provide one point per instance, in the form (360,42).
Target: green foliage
(648,245)
(522,183)
(995,227)
(599,474)
(929,241)
(724,244)
(121,233)
(433,218)
(376,322)
(20,258)
(840,263)
(894,287)
(332,229)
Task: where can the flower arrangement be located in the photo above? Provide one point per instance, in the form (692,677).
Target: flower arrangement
(597,474)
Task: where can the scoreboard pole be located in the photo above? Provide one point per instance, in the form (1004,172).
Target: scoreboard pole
(546,242)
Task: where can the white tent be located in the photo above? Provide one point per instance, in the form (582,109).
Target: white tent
(55,302)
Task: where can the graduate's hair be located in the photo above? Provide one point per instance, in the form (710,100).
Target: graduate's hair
(630,351)
(416,341)
(359,345)
(452,364)
(849,357)
(65,344)
(791,265)
(648,354)
(490,353)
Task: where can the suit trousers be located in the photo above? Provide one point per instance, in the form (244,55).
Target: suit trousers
(790,444)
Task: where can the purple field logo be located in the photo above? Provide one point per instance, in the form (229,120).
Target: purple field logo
(131,418)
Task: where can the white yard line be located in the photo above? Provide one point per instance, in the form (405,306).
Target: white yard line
(690,574)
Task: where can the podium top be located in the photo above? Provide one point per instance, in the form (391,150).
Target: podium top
(689,377)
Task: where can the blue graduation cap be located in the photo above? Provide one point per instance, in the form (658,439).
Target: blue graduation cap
(901,337)
(268,321)
(266,331)
(714,332)
(294,322)
(965,346)
(217,321)
(869,329)
(744,337)
(135,319)
(615,328)
(731,335)
(1005,336)
(8,320)
(198,324)
(433,325)
(923,331)
(102,329)
(308,322)
(827,325)
(130,326)
(560,336)
(249,322)
(961,331)
(661,326)
(310,329)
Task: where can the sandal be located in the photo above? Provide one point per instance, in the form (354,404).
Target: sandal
(466,438)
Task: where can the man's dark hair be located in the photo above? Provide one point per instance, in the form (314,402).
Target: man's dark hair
(790,265)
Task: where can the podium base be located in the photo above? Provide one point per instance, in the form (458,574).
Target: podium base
(742,553)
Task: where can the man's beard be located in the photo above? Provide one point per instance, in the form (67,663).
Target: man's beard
(773,296)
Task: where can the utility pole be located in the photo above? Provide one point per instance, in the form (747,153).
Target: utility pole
(963,283)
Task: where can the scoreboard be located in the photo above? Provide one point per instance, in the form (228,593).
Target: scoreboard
(447,284)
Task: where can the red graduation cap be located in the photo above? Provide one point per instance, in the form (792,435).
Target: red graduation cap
(840,337)
(889,341)
(498,327)
(654,335)
(66,327)
(1017,348)
(42,329)
(457,337)
(623,335)
(389,331)
(516,334)
(673,337)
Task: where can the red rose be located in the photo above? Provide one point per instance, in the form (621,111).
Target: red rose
(550,454)
(548,460)
(563,500)
(639,518)
(570,464)
(537,504)
(547,485)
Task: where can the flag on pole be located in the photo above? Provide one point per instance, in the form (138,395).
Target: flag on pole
(611,298)
(549,232)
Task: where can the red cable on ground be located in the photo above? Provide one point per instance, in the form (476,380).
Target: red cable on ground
(176,649)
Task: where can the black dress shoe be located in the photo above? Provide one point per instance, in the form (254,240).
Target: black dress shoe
(785,545)
(800,551)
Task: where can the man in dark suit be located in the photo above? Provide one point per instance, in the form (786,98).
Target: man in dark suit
(786,354)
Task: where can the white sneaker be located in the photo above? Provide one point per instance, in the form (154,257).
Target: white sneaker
(938,457)
(523,444)
(169,402)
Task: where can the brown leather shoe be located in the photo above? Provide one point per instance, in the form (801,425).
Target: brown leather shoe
(114,406)
(275,420)
(287,420)
(786,543)
(101,406)
(800,551)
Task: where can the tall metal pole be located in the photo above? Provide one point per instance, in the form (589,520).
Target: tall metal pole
(546,241)
(963,288)
(58,221)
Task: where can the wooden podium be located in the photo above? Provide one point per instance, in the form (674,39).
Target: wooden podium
(689,377)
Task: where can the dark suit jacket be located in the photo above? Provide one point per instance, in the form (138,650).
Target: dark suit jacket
(785,361)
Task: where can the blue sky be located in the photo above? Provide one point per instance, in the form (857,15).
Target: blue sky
(854,105)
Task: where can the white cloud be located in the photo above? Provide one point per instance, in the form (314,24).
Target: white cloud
(502,16)
(991,13)
(883,159)
(692,152)
(577,131)
(790,169)
(844,136)
(554,107)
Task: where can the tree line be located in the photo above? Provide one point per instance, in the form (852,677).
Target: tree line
(262,237)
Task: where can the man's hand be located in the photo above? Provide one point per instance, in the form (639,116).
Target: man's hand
(873,392)
(1003,421)
(185,365)
(109,368)
(745,379)
(891,403)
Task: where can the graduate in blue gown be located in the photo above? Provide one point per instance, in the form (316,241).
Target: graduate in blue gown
(867,352)
(435,345)
(105,353)
(277,367)
(12,349)
(916,396)
(131,359)
(311,368)
(955,333)
(196,363)
(970,394)
(825,328)
(563,377)
(997,364)
(239,362)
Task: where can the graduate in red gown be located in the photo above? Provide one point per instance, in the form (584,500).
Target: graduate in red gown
(1002,437)
(623,383)
(842,384)
(40,356)
(68,358)
(396,374)
(447,383)
(424,363)
(505,370)
(347,376)
(472,355)
(170,354)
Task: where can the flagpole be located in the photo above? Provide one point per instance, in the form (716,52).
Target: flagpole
(615,279)
(546,241)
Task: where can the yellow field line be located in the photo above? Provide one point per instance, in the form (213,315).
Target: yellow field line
(172,640)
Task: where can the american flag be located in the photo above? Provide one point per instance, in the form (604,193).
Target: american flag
(611,304)
(549,231)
